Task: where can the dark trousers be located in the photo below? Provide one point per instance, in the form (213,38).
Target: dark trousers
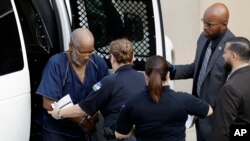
(49,136)
(203,129)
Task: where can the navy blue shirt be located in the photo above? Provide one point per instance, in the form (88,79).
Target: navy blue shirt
(111,93)
(164,121)
(60,79)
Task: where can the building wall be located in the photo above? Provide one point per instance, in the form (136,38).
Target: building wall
(182,25)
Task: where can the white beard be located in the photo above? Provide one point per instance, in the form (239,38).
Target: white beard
(75,59)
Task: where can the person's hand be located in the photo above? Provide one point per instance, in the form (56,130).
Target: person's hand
(171,69)
(55,113)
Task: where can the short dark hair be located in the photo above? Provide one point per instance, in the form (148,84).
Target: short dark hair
(240,46)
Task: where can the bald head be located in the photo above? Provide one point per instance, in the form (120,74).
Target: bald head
(215,20)
(82,39)
(217,12)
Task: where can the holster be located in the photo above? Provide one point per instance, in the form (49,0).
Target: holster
(88,124)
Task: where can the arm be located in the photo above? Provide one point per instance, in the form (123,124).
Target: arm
(47,103)
(195,106)
(229,103)
(56,113)
(74,111)
(184,71)
(225,113)
(124,124)
(190,123)
(90,105)
(227,107)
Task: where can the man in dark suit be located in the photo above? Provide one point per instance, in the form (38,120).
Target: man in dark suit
(207,70)
(232,105)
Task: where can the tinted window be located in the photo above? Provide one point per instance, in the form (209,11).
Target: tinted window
(112,19)
(11,59)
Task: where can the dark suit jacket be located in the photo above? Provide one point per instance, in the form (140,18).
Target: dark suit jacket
(215,74)
(232,106)
(215,78)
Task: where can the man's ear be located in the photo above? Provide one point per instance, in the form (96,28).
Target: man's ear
(225,23)
(70,45)
(234,55)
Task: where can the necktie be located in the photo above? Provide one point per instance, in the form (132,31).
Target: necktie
(204,67)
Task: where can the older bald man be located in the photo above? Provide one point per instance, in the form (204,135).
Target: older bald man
(73,72)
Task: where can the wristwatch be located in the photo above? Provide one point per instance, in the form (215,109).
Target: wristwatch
(58,116)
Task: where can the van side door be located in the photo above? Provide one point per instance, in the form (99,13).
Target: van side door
(15,101)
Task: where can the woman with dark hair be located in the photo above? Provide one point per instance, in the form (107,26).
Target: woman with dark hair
(158,113)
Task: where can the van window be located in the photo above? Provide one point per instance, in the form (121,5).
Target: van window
(11,58)
(112,19)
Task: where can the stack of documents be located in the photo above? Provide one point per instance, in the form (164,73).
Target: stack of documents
(63,103)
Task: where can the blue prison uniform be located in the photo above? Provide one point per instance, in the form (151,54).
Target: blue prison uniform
(60,79)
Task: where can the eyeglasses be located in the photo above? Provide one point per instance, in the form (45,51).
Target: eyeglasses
(210,24)
(85,55)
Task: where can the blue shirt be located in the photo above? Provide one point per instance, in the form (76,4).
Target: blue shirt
(60,79)
(111,93)
(164,121)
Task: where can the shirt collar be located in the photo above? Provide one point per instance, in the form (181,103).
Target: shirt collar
(237,68)
(124,67)
(216,40)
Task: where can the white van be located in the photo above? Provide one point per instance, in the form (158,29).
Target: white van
(33,30)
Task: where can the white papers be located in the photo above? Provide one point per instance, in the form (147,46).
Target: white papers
(63,103)
(190,121)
